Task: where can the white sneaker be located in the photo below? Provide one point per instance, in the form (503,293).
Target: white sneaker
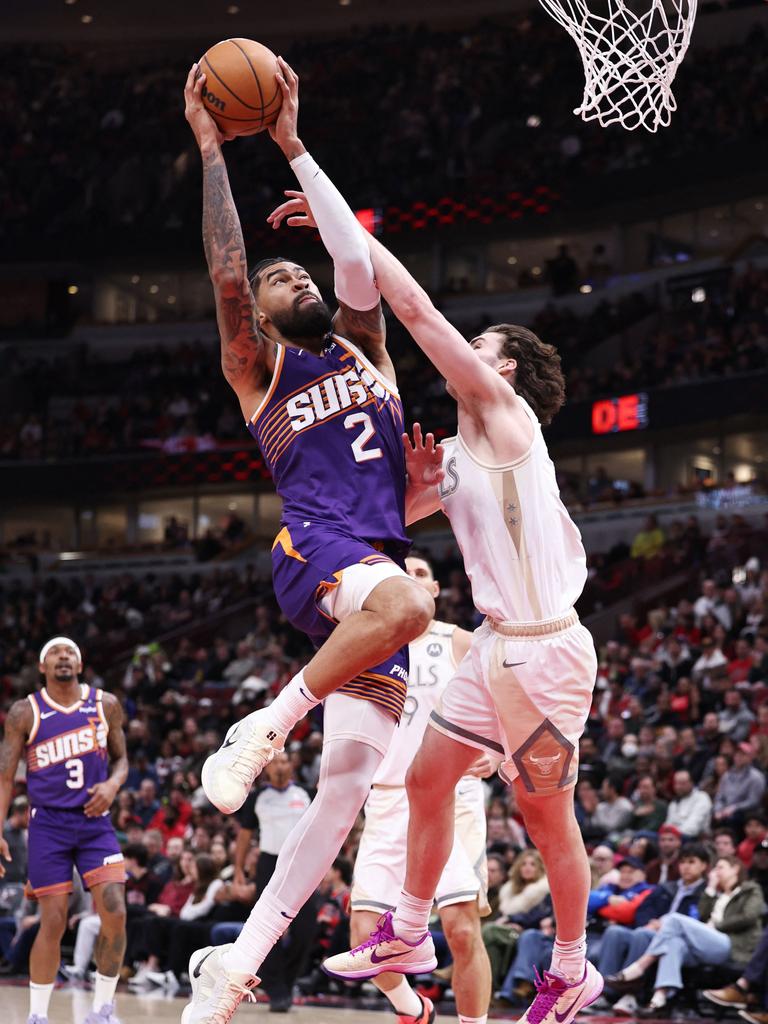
(384,951)
(558,1001)
(247,749)
(216,992)
(627,1006)
(73,973)
(140,978)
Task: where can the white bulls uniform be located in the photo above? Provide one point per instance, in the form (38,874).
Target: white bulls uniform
(380,864)
(525,688)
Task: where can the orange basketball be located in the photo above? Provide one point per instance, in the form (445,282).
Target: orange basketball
(241,93)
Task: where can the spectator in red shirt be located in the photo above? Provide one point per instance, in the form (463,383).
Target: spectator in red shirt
(755,832)
(741,665)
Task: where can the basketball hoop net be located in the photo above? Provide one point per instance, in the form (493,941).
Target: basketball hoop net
(630,56)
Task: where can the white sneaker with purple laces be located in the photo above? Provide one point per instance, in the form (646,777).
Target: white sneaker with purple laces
(558,1000)
(384,951)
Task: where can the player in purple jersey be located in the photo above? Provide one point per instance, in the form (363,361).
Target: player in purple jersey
(319,395)
(74,744)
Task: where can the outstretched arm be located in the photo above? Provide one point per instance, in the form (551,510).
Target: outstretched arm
(359,317)
(470,378)
(243,352)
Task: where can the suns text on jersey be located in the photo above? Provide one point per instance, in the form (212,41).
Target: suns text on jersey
(334,394)
(69,744)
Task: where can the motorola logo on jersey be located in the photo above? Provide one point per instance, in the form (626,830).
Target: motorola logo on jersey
(332,395)
(87,740)
(434,650)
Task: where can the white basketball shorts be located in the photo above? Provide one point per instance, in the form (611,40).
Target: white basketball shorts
(381,858)
(524,691)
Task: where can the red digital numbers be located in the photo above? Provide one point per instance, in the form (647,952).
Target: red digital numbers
(628,412)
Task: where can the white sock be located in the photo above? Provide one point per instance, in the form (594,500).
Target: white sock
(405,1002)
(463,1019)
(39,998)
(658,999)
(570,958)
(104,991)
(263,929)
(411,917)
(294,701)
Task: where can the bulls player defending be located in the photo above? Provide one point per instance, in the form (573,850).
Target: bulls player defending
(380,863)
(74,744)
(525,688)
(318,394)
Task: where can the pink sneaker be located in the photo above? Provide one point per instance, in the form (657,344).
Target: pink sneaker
(384,952)
(557,1001)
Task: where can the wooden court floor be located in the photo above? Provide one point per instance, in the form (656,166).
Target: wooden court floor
(71,1005)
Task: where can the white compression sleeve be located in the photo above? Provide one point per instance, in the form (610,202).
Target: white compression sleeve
(342,236)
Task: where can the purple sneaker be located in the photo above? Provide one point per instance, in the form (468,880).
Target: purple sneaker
(384,951)
(106,1015)
(557,1001)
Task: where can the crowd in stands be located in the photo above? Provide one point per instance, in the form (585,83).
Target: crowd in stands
(167,398)
(671,795)
(109,150)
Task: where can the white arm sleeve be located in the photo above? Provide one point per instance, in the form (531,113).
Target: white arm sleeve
(342,236)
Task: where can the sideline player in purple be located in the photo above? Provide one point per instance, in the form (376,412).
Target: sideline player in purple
(319,395)
(73,739)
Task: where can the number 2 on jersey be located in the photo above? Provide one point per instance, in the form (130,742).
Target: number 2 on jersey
(361,453)
(76,778)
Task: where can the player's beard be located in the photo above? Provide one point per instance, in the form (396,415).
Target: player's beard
(305,322)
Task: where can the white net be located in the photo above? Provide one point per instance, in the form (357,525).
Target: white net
(631,50)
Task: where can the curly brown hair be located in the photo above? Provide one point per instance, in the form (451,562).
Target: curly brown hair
(539,376)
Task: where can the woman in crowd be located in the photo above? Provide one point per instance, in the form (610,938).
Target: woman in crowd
(728,929)
(523,901)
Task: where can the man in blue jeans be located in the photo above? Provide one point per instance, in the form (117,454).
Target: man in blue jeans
(609,902)
(623,945)
(729,929)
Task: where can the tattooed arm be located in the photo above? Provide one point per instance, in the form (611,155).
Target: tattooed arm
(103,793)
(243,352)
(18,725)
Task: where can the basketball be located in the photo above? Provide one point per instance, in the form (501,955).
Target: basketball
(240,91)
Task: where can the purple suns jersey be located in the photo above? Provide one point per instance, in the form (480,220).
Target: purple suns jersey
(66,750)
(330,429)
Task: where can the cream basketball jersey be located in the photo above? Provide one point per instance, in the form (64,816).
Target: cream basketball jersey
(522,551)
(431,667)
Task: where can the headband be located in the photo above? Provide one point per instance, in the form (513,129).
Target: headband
(61,640)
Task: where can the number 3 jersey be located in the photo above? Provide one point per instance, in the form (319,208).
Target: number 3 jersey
(330,429)
(66,750)
(432,666)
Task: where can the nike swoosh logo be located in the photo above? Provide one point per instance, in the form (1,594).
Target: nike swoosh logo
(196,972)
(376,959)
(287,916)
(47,714)
(514,664)
(229,741)
(560,1017)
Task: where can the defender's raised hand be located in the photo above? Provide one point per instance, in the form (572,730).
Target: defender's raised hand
(296,209)
(423,459)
